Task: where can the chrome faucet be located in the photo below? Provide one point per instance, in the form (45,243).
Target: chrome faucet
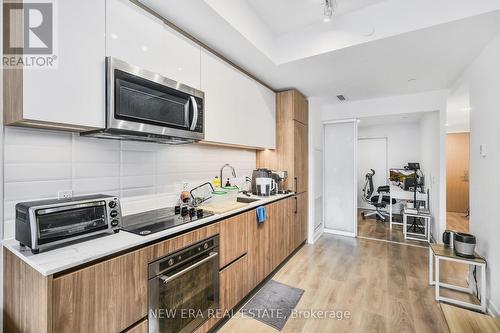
(221,169)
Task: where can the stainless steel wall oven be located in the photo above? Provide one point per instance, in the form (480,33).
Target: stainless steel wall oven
(183,288)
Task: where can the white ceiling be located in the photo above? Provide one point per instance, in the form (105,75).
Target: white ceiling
(397,119)
(284,16)
(424,40)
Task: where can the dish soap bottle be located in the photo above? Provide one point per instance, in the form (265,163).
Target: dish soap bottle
(216,182)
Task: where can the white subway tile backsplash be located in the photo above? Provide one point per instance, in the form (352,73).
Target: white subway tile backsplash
(23,172)
(40,163)
(37,189)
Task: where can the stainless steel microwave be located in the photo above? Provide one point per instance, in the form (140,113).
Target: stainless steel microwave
(146,106)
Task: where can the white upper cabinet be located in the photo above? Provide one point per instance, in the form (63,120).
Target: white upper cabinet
(139,38)
(239,110)
(72,96)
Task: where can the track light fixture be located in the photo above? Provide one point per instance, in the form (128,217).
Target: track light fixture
(328,8)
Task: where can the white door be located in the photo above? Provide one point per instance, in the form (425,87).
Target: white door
(340,177)
(372,154)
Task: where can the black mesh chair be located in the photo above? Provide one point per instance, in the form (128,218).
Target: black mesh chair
(379,201)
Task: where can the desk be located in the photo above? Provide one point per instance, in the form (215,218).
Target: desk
(426,236)
(438,252)
(398,193)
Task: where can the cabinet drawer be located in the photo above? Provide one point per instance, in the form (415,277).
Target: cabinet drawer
(233,283)
(106,297)
(233,238)
(142,327)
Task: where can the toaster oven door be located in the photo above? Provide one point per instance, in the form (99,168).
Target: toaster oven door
(69,221)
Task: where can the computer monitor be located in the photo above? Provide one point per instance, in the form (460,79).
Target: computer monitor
(397,177)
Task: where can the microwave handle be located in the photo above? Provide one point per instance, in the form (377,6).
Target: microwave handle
(195,113)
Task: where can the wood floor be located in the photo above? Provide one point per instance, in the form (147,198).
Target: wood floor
(457,221)
(383,285)
(371,228)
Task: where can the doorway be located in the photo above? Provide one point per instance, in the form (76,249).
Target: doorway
(457,181)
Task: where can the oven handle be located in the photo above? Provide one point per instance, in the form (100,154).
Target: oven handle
(166,278)
(195,113)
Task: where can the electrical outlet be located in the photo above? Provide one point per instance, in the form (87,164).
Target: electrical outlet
(65,194)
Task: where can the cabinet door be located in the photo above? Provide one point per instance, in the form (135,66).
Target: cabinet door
(300,107)
(300,156)
(233,283)
(278,214)
(74,93)
(239,110)
(233,239)
(142,327)
(259,259)
(139,38)
(300,224)
(106,297)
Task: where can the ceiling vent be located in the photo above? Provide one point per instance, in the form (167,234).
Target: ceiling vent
(342,98)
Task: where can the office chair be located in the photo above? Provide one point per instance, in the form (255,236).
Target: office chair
(379,201)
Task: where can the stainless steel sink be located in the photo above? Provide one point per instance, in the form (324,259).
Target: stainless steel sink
(246,200)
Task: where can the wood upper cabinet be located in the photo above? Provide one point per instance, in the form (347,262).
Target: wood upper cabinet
(106,297)
(300,107)
(239,110)
(72,95)
(291,153)
(233,238)
(300,157)
(141,39)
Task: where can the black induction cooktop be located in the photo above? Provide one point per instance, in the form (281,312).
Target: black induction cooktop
(153,221)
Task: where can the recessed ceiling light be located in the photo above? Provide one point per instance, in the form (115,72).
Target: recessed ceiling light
(144,48)
(114,36)
(405,117)
(446,125)
(412,79)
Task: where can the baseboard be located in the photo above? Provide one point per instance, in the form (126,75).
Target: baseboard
(340,233)
(317,233)
(492,309)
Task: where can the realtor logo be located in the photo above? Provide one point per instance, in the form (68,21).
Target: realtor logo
(28,34)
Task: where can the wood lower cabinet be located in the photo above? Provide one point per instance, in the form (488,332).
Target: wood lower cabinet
(233,238)
(280,219)
(107,297)
(300,219)
(142,327)
(111,296)
(234,283)
(259,258)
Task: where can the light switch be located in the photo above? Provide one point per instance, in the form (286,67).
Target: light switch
(482,150)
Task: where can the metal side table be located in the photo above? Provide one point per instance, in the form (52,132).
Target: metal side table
(438,252)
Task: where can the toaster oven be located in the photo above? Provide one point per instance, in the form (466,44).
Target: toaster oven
(44,223)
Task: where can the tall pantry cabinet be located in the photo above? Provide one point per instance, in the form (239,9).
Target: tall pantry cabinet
(291,154)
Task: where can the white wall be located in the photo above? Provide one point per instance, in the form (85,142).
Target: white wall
(315,176)
(483,80)
(403,146)
(403,142)
(431,157)
(458,108)
(40,163)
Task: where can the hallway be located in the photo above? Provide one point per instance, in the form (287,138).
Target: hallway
(383,285)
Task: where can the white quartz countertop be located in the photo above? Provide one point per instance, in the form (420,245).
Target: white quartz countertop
(55,260)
